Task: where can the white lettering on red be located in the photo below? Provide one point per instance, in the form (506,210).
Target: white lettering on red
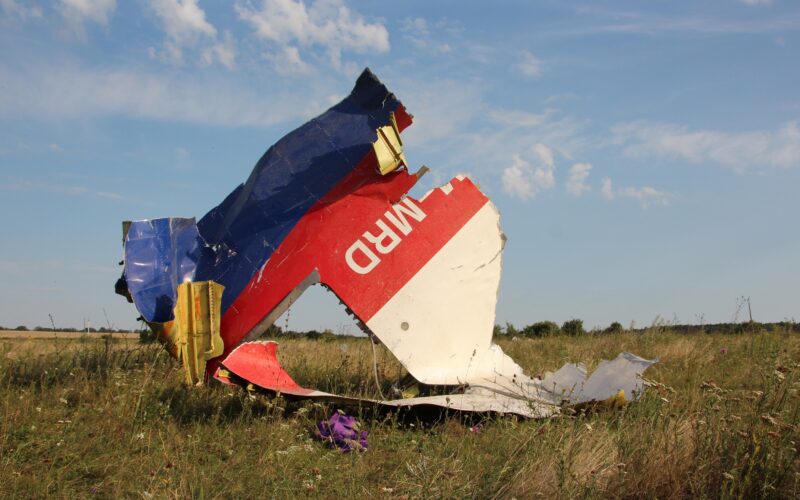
(370,245)
(349,257)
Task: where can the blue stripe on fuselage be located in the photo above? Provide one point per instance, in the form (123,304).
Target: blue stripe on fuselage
(287,181)
(234,240)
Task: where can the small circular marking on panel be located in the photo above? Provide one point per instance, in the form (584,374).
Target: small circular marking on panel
(404,326)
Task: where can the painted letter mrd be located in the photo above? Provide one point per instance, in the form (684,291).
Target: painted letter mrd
(364,254)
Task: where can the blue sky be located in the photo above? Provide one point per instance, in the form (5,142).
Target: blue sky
(644,156)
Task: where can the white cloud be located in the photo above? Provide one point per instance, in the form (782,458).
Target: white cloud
(441,107)
(76,12)
(287,61)
(756,2)
(737,150)
(601,21)
(645,195)
(417,31)
(516,146)
(515,118)
(185,26)
(524,180)
(324,25)
(223,52)
(183,20)
(67,92)
(516,179)
(545,155)
(24,267)
(60,189)
(607,188)
(481,53)
(451,131)
(530,65)
(12,8)
(170,53)
(576,185)
(521,129)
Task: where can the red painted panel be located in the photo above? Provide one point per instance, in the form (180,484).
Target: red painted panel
(321,239)
(257,362)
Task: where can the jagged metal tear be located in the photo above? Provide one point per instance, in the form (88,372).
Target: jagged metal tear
(427,281)
(439,325)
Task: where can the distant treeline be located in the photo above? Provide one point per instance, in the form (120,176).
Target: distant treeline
(274,331)
(573,327)
(23,328)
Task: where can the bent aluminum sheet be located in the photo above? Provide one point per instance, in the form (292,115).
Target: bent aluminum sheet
(231,243)
(609,378)
(257,363)
(325,205)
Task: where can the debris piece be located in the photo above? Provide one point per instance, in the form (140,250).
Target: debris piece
(612,381)
(389,147)
(328,204)
(195,330)
(257,363)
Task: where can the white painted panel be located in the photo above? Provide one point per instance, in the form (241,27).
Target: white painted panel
(439,325)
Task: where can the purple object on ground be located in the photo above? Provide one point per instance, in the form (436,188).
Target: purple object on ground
(341,431)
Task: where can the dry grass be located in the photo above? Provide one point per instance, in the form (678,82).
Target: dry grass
(26,345)
(23,335)
(86,420)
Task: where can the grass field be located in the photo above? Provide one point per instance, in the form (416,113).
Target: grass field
(86,417)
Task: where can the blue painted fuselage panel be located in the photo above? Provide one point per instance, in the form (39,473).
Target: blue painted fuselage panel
(232,242)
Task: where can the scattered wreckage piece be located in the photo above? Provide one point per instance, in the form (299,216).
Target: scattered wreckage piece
(612,383)
(610,380)
(329,204)
(195,330)
(257,363)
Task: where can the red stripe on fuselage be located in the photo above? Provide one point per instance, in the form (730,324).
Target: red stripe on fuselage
(445,215)
(310,244)
(322,237)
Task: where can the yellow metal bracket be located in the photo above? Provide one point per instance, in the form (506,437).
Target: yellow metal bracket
(389,147)
(194,334)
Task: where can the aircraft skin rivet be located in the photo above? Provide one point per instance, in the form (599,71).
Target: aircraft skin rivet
(404,326)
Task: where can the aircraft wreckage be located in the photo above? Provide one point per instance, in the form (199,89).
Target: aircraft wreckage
(328,204)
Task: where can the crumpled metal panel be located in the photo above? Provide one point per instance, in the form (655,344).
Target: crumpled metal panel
(257,363)
(622,374)
(289,181)
(238,236)
(328,204)
(160,254)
